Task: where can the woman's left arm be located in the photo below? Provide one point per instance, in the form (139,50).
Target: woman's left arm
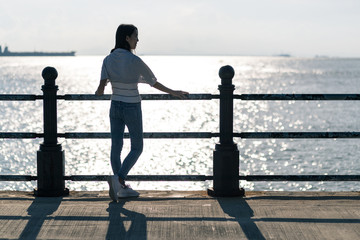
(101,87)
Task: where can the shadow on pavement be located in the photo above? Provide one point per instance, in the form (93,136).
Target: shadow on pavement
(39,210)
(120,218)
(242,213)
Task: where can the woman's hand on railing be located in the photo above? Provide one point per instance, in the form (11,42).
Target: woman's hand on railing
(179,94)
(175,93)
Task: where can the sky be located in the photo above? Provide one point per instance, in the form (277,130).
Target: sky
(303,28)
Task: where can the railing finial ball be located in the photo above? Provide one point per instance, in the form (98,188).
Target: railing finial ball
(226,72)
(49,74)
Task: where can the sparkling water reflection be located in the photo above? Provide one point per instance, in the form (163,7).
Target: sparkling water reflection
(192,156)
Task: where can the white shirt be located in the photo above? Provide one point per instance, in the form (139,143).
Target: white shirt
(125,70)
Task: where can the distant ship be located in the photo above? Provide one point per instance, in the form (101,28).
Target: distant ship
(283,55)
(7,53)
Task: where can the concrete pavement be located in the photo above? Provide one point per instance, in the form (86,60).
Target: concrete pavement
(181,215)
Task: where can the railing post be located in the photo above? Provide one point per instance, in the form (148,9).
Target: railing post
(226,154)
(50,156)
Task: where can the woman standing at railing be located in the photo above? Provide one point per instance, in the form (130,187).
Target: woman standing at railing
(125,70)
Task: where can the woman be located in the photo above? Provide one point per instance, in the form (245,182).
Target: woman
(125,70)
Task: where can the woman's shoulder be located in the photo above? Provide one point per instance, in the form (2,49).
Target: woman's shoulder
(124,53)
(123,56)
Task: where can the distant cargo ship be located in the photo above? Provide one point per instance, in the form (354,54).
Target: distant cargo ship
(7,53)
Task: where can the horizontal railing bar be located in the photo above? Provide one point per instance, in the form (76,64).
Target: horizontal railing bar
(17,178)
(297,135)
(250,178)
(323,97)
(206,178)
(141,178)
(200,96)
(301,178)
(108,135)
(82,97)
(146,135)
(245,135)
(20,97)
(20,135)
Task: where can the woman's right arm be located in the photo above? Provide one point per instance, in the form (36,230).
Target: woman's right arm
(150,78)
(175,93)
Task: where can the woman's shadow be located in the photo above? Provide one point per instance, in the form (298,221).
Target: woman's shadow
(125,224)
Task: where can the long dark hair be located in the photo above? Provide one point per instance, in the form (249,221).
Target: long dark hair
(120,39)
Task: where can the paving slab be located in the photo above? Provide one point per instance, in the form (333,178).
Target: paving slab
(181,215)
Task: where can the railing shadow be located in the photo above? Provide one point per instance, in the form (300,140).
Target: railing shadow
(117,228)
(37,218)
(313,198)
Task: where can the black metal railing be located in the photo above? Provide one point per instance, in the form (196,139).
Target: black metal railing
(50,157)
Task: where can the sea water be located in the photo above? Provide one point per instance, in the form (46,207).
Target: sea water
(195,74)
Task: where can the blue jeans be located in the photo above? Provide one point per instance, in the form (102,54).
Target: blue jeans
(129,114)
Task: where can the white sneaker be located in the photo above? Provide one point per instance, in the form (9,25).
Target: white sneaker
(127,191)
(114,186)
